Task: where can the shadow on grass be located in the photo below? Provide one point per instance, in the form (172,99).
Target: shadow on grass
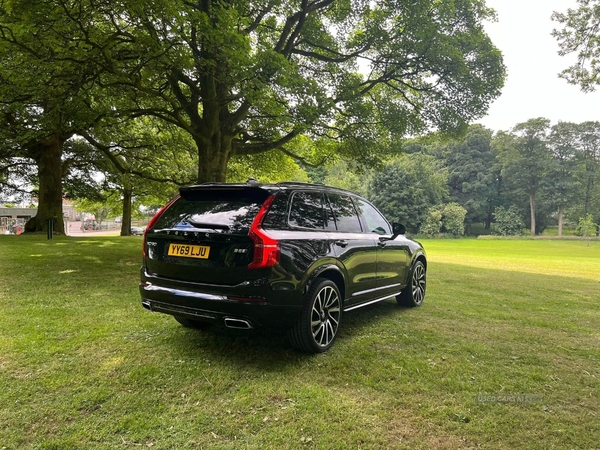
(462,302)
(271,349)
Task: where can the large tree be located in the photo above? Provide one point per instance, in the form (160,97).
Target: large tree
(525,161)
(45,79)
(244,77)
(473,174)
(408,187)
(565,186)
(588,152)
(580,34)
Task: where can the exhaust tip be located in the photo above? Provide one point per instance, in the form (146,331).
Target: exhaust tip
(239,324)
(146,304)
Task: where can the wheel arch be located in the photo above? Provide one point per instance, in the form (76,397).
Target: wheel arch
(419,256)
(330,272)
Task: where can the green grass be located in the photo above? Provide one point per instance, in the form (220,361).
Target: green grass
(83,366)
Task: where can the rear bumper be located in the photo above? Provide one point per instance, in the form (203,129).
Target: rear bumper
(257,304)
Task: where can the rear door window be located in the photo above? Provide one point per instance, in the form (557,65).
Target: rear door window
(346,218)
(307,210)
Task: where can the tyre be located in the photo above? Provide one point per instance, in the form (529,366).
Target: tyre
(191,323)
(414,293)
(317,328)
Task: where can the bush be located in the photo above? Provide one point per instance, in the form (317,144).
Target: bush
(507,222)
(586,226)
(449,218)
(433,222)
(454,219)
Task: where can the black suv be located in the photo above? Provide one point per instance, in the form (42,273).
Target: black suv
(289,255)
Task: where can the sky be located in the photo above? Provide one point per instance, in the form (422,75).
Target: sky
(533,88)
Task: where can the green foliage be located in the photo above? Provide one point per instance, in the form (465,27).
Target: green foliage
(346,175)
(525,159)
(270,167)
(507,222)
(109,205)
(241,78)
(449,217)
(454,219)
(407,187)
(586,226)
(433,222)
(473,173)
(580,35)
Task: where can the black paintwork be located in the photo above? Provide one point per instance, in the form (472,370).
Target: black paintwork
(365,265)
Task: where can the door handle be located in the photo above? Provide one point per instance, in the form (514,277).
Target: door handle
(382,243)
(341,243)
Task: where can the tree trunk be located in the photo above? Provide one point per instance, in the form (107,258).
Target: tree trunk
(532,207)
(48,158)
(213,156)
(589,188)
(126,219)
(560,220)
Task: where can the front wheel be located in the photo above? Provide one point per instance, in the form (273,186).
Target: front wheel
(414,293)
(317,328)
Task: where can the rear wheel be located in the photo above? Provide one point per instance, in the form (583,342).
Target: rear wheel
(317,328)
(414,293)
(191,323)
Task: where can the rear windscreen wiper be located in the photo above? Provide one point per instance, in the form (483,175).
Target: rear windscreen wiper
(210,226)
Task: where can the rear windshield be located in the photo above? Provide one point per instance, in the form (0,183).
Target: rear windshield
(227,212)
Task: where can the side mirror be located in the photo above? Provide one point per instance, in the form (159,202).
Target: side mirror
(398,229)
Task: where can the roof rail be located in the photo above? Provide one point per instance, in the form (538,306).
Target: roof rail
(299,183)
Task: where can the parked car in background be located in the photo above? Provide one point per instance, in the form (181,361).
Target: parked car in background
(90,225)
(289,255)
(138,231)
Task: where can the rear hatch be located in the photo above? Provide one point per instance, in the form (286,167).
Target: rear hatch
(203,236)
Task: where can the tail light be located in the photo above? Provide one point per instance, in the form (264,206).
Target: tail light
(153,221)
(266,249)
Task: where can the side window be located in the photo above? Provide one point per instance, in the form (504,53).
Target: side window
(276,218)
(344,213)
(307,210)
(376,223)
(329,217)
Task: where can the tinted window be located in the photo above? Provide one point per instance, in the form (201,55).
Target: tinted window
(376,223)
(307,210)
(233,216)
(329,217)
(344,212)
(276,218)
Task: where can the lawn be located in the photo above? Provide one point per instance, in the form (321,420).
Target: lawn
(84,366)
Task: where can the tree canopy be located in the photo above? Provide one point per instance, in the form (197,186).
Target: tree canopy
(238,77)
(246,77)
(580,34)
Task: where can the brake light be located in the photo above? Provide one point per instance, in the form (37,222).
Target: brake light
(153,221)
(266,249)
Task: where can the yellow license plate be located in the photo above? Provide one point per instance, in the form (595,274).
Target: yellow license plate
(189,251)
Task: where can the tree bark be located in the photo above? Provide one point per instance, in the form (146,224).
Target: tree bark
(532,207)
(588,195)
(48,157)
(126,218)
(560,220)
(213,156)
